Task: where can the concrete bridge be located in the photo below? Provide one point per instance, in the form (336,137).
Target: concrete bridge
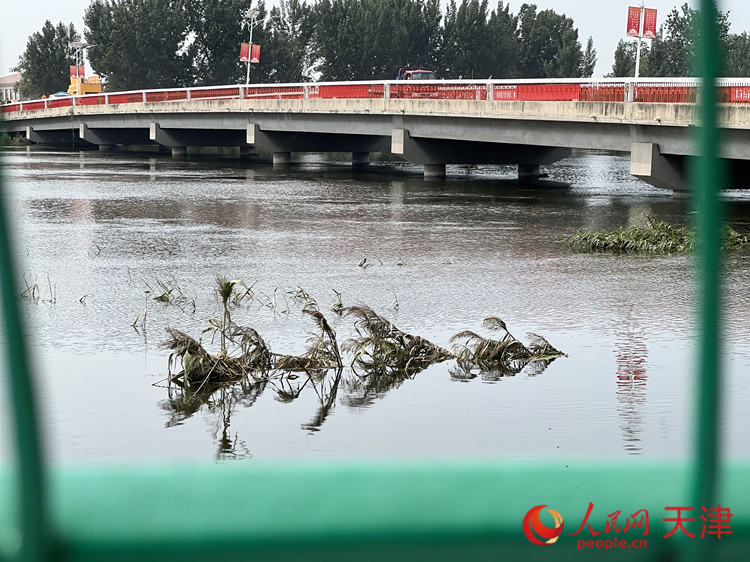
(525,123)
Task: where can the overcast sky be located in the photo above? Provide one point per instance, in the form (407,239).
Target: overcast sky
(604,20)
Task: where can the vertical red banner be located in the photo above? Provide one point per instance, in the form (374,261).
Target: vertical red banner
(76,71)
(634,21)
(255,56)
(649,23)
(245,52)
(73,70)
(82,71)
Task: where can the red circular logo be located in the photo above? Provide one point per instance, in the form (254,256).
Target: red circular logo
(536,531)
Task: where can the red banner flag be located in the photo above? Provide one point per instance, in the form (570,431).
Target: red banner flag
(76,71)
(634,21)
(255,56)
(649,23)
(245,52)
(73,70)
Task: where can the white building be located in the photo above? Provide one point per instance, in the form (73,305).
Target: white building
(8,87)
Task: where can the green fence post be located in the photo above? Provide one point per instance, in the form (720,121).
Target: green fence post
(708,178)
(31,498)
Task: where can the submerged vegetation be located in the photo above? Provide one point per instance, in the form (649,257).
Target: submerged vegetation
(13,140)
(380,357)
(380,348)
(506,355)
(656,236)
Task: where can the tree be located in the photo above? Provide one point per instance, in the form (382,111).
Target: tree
(372,39)
(588,62)
(738,55)
(468,50)
(504,42)
(216,28)
(625,55)
(549,44)
(44,65)
(673,49)
(288,50)
(139,43)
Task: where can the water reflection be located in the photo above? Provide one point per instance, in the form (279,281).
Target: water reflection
(632,378)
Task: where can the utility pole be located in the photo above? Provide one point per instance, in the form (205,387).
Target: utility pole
(252,15)
(640,35)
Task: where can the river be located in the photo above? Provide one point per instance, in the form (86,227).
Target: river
(98,236)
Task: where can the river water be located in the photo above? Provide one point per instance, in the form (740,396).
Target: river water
(99,235)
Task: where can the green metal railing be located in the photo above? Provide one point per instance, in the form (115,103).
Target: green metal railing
(429,510)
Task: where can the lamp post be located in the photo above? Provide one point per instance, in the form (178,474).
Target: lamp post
(79,47)
(252,15)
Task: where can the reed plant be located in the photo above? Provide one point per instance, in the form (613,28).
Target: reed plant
(656,236)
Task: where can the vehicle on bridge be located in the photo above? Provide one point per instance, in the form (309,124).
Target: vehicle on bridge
(412,90)
(415,73)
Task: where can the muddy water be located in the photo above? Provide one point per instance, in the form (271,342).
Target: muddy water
(97,235)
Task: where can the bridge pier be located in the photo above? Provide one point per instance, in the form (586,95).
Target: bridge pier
(663,171)
(360,159)
(282,158)
(434,171)
(528,171)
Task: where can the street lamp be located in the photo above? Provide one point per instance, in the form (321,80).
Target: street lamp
(252,14)
(79,47)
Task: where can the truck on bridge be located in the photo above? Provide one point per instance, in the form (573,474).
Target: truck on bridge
(415,73)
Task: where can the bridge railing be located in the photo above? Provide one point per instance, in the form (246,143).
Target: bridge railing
(646,90)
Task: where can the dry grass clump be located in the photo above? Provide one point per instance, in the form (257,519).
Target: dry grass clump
(322,352)
(656,237)
(506,355)
(380,348)
(250,354)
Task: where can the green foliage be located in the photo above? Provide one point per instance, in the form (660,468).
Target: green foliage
(673,48)
(13,140)
(372,39)
(588,61)
(504,42)
(625,55)
(217,28)
(657,236)
(44,65)
(139,43)
(738,55)
(468,49)
(549,44)
(287,54)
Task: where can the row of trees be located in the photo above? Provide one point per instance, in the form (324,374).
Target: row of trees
(169,43)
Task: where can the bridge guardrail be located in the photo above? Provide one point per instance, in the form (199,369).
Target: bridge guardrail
(648,90)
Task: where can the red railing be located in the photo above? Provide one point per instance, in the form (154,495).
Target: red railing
(680,91)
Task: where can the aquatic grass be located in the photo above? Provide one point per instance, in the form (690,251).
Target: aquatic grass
(337,306)
(506,355)
(32,292)
(380,348)
(250,355)
(322,352)
(656,236)
(168,292)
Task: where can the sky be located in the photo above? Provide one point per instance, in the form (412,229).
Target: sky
(604,20)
